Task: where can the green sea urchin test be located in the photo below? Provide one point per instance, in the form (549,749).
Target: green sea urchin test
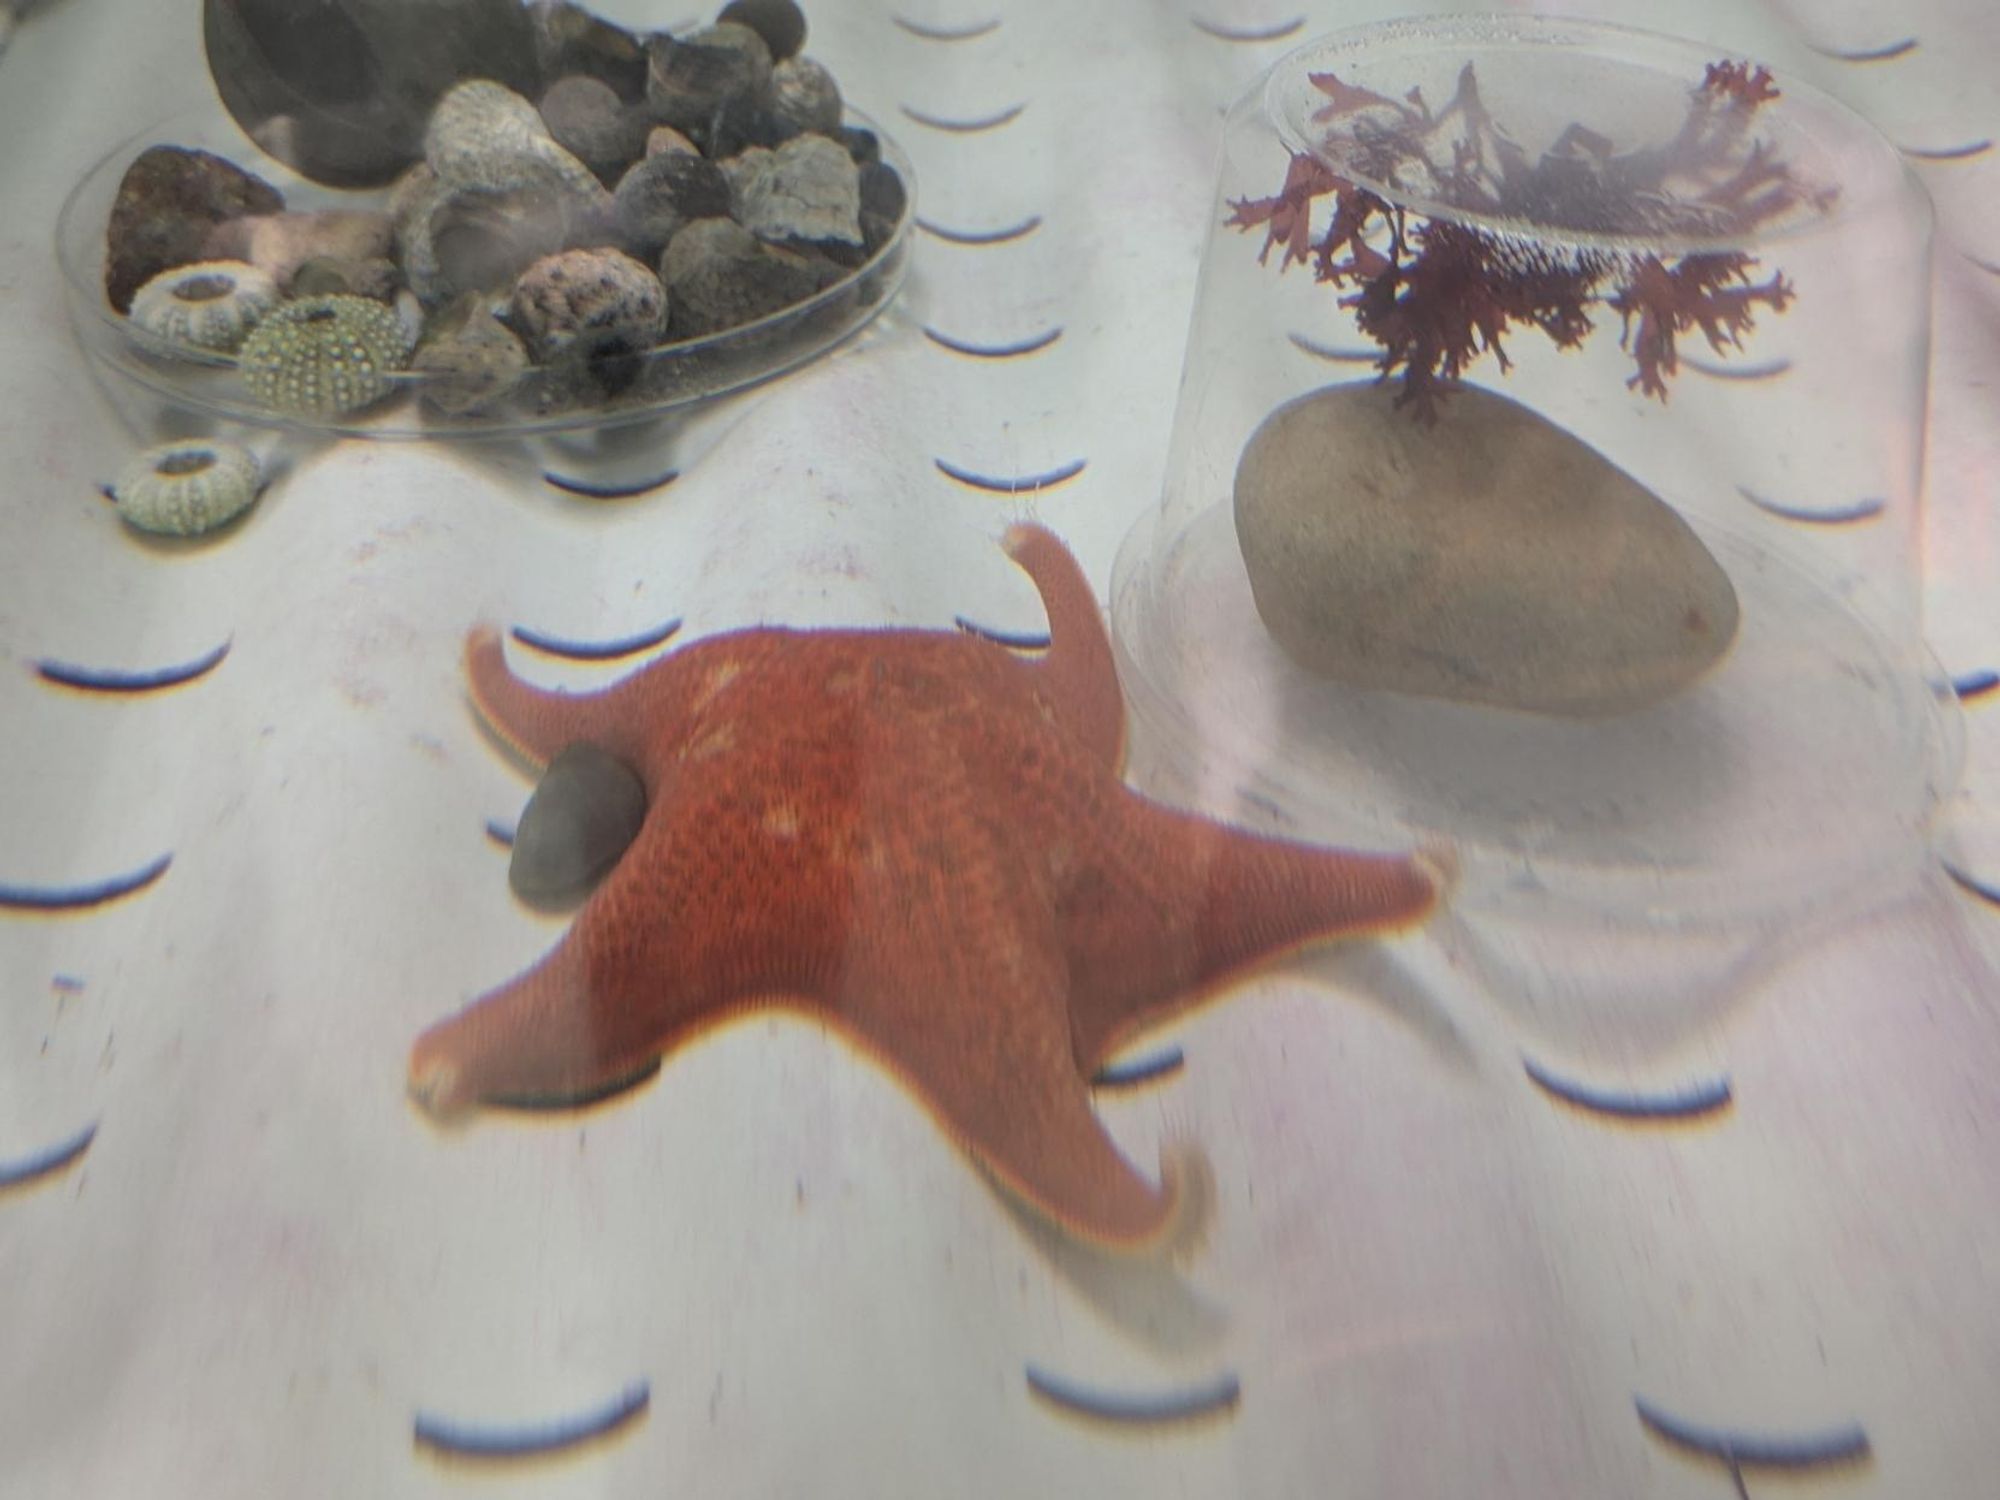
(324,356)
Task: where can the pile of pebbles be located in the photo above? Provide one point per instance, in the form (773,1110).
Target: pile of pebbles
(658,190)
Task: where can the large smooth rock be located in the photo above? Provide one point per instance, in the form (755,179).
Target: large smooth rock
(341,89)
(1491,557)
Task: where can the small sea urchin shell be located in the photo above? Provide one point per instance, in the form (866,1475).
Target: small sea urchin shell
(187,488)
(323,356)
(211,304)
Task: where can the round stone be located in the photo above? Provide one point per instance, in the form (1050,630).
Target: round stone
(586,118)
(804,96)
(780,23)
(1489,557)
(580,301)
(583,816)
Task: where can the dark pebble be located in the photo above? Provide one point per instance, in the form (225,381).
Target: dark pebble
(861,144)
(719,275)
(745,121)
(780,23)
(168,202)
(882,192)
(689,78)
(584,814)
(662,193)
(590,121)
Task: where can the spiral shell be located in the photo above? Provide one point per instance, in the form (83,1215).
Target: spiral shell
(211,304)
(187,488)
(323,356)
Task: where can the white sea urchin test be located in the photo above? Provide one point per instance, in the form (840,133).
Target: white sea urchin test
(212,304)
(187,488)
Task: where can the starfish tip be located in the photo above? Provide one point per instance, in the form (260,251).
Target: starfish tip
(435,1087)
(483,637)
(1437,860)
(1023,536)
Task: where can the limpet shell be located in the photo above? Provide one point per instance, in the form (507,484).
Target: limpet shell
(187,488)
(323,356)
(211,304)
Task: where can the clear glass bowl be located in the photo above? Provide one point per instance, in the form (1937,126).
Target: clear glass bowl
(159,387)
(1797,773)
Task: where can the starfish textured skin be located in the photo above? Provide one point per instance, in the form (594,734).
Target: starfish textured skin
(922,840)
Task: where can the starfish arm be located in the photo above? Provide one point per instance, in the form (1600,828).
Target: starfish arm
(539,724)
(1077,676)
(532,1039)
(1183,904)
(601,1007)
(987,1051)
(962,1000)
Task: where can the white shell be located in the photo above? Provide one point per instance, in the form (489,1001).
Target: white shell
(184,489)
(218,320)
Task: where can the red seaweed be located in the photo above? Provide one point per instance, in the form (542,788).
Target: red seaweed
(1436,293)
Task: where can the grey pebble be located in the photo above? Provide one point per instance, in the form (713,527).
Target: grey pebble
(660,194)
(804,96)
(780,23)
(586,118)
(719,275)
(583,815)
(806,189)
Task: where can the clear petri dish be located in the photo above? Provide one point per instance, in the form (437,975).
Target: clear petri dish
(161,386)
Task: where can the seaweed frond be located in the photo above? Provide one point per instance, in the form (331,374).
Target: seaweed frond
(1436,293)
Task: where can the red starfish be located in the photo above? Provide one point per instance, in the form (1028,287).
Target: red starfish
(922,839)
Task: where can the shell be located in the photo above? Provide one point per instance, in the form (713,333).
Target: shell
(211,304)
(323,356)
(187,488)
